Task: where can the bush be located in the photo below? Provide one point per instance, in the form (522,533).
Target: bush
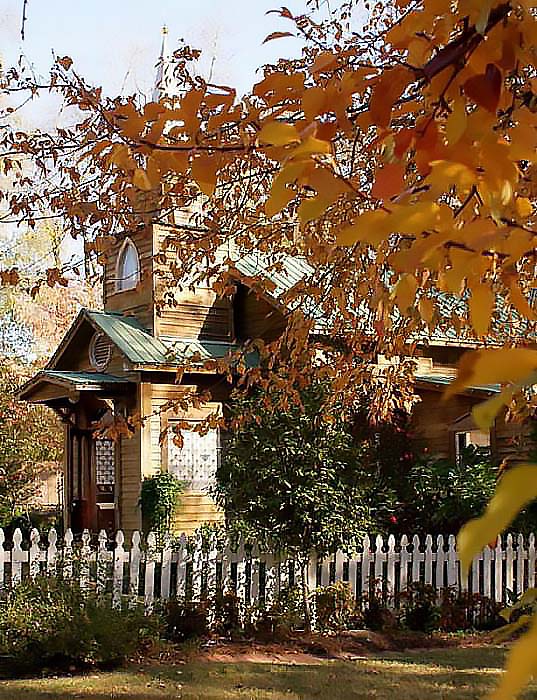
(52,623)
(376,615)
(184,620)
(336,608)
(462,611)
(421,612)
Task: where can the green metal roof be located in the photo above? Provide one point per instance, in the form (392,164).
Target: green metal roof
(131,338)
(445,381)
(82,377)
(186,349)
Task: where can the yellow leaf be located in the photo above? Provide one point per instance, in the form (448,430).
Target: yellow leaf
(204,169)
(426,309)
(523,207)
(456,122)
(501,366)
(369,227)
(415,218)
(481,306)
(405,292)
(485,413)
(444,174)
(312,208)
(280,193)
(515,489)
(309,147)
(278,134)
(141,181)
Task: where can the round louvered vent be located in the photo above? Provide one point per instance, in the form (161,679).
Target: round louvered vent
(100,351)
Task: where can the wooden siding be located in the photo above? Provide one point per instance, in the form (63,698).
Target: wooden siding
(432,418)
(200,315)
(196,508)
(136,302)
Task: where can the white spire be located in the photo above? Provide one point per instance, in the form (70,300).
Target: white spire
(165,82)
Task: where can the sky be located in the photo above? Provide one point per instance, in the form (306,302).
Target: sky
(116,43)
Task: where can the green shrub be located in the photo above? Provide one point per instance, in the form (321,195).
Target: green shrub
(336,608)
(51,623)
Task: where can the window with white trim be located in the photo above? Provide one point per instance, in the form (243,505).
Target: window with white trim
(196,461)
(128,267)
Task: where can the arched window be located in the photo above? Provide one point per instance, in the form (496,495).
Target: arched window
(128,267)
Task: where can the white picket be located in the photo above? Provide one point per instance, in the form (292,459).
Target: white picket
(135,560)
(68,554)
(475,573)
(117,576)
(417,558)
(149,579)
(521,556)
(404,558)
(509,562)
(531,561)
(366,565)
(254,576)
(18,557)
(85,556)
(101,564)
(182,560)
(440,559)
(52,551)
(339,560)
(226,568)
(270,580)
(391,558)
(197,567)
(212,559)
(35,553)
(166,567)
(428,569)
(452,568)
(498,570)
(380,558)
(487,573)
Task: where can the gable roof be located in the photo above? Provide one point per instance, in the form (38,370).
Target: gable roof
(125,332)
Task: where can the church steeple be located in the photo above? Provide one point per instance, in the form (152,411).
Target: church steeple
(165,83)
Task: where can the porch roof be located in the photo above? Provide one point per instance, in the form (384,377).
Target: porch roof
(70,382)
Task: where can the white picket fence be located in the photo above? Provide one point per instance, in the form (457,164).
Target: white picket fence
(196,568)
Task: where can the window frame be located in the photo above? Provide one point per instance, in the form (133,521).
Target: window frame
(123,283)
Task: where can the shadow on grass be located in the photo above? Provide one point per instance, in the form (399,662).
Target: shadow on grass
(459,674)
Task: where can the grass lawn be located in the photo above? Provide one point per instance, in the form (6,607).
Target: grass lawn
(436,674)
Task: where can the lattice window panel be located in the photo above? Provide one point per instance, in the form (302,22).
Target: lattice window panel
(105,462)
(196,461)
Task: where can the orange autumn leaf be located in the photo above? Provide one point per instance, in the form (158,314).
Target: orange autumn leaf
(388,88)
(389,181)
(485,89)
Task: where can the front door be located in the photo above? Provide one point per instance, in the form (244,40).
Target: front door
(82,481)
